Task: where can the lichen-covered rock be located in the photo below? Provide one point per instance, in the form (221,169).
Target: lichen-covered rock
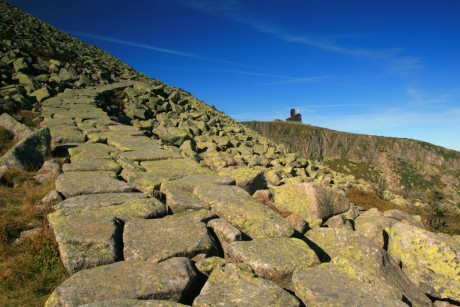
(151,154)
(375,226)
(236,206)
(159,239)
(79,183)
(87,165)
(429,261)
(414,220)
(224,232)
(311,201)
(90,234)
(273,258)
(133,303)
(207,265)
(157,172)
(338,221)
(344,243)
(247,178)
(328,285)
(170,280)
(172,135)
(19,130)
(179,193)
(91,151)
(231,286)
(30,152)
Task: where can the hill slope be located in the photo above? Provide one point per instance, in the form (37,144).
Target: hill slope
(409,167)
(154,195)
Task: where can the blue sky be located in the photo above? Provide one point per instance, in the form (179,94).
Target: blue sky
(387,68)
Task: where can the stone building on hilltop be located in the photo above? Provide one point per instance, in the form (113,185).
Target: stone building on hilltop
(295,117)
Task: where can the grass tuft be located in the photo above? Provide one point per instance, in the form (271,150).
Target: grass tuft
(31,268)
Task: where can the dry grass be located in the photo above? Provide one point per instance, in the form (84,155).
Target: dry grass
(31,269)
(434,219)
(368,200)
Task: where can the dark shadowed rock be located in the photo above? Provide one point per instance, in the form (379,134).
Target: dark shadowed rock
(169,280)
(29,153)
(224,232)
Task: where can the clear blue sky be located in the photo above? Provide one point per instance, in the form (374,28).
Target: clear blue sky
(387,67)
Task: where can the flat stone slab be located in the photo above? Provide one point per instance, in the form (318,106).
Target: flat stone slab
(130,143)
(91,151)
(179,193)
(87,165)
(230,286)
(64,134)
(273,258)
(157,172)
(151,154)
(327,285)
(100,200)
(133,303)
(168,280)
(159,239)
(91,235)
(79,183)
(236,206)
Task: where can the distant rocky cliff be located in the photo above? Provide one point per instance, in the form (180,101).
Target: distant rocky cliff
(409,166)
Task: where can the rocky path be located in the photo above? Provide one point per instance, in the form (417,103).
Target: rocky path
(119,239)
(142,224)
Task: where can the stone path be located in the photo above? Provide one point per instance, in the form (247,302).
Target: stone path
(143,224)
(110,218)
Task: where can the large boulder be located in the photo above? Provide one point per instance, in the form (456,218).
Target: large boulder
(235,205)
(359,250)
(330,285)
(20,131)
(170,280)
(429,261)
(311,201)
(133,303)
(231,286)
(375,226)
(30,152)
(273,258)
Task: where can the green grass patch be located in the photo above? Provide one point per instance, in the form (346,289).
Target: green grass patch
(359,169)
(6,140)
(30,269)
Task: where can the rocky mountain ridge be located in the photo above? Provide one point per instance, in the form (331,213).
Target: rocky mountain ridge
(409,167)
(161,200)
